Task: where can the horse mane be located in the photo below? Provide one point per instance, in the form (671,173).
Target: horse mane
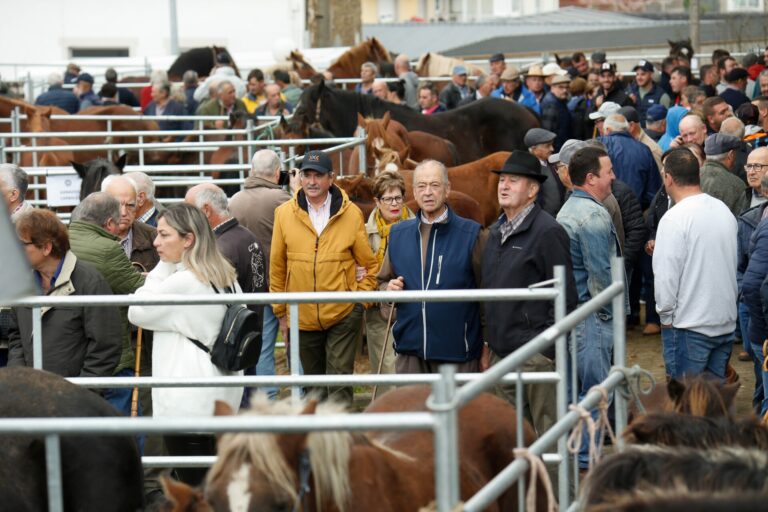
(700,397)
(675,429)
(682,499)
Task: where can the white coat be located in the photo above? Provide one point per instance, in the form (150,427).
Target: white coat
(173,355)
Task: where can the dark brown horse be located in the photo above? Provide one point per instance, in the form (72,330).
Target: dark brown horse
(675,429)
(201,60)
(478,129)
(378,472)
(93,173)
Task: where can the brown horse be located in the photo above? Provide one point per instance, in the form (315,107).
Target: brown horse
(379,471)
(38,120)
(348,64)
(695,396)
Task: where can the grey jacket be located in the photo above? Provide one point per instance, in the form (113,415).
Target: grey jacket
(720,183)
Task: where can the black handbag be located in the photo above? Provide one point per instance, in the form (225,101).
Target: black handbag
(238,345)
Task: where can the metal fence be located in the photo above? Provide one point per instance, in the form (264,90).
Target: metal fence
(443,403)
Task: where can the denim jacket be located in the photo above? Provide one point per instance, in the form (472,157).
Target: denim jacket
(593,244)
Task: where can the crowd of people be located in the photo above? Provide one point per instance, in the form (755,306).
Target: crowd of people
(667,171)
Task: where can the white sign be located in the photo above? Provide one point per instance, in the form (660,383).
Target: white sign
(63,189)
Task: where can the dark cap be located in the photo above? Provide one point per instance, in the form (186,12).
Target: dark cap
(719,143)
(736,74)
(496,57)
(318,161)
(536,136)
(606,67)
(656,113)
(598,57)
(644,65)
(747,113)
(630,114)
(523,163)
(85,77)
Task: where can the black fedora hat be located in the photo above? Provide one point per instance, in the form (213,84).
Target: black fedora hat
(523,163)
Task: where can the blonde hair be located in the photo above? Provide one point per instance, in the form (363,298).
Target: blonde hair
(203,259)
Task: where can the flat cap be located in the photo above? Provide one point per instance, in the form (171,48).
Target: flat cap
(570,147)
(536,136)
(598,57)
(606,109)
(719,143)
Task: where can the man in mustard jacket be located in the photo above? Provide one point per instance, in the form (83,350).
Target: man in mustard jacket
(318,241)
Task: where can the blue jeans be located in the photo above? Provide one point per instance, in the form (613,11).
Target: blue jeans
(759,395)
(594,354)
(688,353)
(120,399)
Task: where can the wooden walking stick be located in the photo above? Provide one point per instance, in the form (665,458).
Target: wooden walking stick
(383,350)
(137,373)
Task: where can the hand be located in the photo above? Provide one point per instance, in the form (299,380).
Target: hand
(677,142)
(396,285)
(284,329)
(220,124)
(649,246)
(599,101)
(485,358)
(360,273)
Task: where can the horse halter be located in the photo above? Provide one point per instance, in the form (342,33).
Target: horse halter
(305,472)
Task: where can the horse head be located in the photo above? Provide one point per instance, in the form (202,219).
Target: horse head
(682,48)
(702,397)
(377,51)
(92,173)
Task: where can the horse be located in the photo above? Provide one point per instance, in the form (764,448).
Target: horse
(202,60)
(92,173)
(348,64)
(696,396)
(372,471)
(683,500)
(434,64)
(478,129)
(682,48)
(98,473)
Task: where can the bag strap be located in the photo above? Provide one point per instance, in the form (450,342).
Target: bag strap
(200,346)
(228,289)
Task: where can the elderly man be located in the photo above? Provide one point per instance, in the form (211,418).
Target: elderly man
(484,88)
(540,143)
(632,161)
(254,207)
(497,63)
(84,91)
(428,100)
(223,71)
(735,128)
(509,325)
(555,115)
(380,89)
(511,89)
(716,177)
(274,105)
(605,110)
(695,281)
(692,131)
(457,89)
(163,105)
(58,96)
(636,130)
(410,79)
(318,241)
(430,334)
(656,122)
(645,92)
(368,72)
(15,183)
(190,83)
(225,104)
(534,83)
(146,204)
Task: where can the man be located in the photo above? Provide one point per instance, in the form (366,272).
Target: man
(724,66)
(597,60)
(644,92)
(709,78)
(58,96)
(274,105)
(146,204)
(610,88)
(605,110)
(692,131)
(695,281)
(736,81)
(84,92)
(679,79)
(551,195)
(580,65)
(291,92)
(225,104)
(715,110)
(522,248)
(223,71)
(190,83)
(552,70)
(15,181)
(163,105)
(368,72)
(656,122)
(319,236)
(254,207)
(534,83)
(410,79)
(693,98)
(484,88)
(632,160)
(716,177)
(636,130)
(255,95)
(555,115)
(762,81)
(124,94)
(511,89)
(93,238)
(593,245)
(380,89)
(735,128)
(457,89)
(497,63)
(71,73)
(429,334)
(428,100)
(108,94)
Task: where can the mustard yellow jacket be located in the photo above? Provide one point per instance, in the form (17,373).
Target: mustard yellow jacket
(302,261)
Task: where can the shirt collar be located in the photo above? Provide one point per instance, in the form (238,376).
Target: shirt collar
(53,278)
(147,215)
(442,218)
(509,226)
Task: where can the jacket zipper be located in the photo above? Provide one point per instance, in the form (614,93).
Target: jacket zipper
(314,282)
(466,343)
(439,268)
(429,278)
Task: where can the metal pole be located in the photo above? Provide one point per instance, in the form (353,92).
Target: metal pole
(174,29)
(249,136)
(619,344)
(37,338)
(30,88)
(446,445)
(693,20)
(109,129)
(519,432)
(141,151)
(561,365)
(201,138)
(363,162)
(295,360)
(53,471)
(15,128)
(241,173)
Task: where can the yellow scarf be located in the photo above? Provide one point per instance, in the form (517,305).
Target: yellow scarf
(383,227)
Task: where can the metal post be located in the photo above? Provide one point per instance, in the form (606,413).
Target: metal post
(109,129)
(201,138)
(241,172)
(363,163)
(561,365)
(29,86)
(693,21)
(574,400)
(174,29)
(141,150)
(295,360)
(519,432)
(446,441)
(292,155)
(53,471)
(37,338)
(249,135)
(15,128)
(34,164)
(619,343)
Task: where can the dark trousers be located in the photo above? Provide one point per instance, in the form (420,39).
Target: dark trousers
(191,444)
(651,316)
(332,352)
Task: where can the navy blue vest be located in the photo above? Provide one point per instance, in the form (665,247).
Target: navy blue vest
(651,98)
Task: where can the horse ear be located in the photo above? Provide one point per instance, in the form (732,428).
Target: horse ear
(311,407)
(184,497)
(385,119)
(282,123)
(293,444)
(360,120)
(80,168)
(675,390)
(222,408)
(120,163)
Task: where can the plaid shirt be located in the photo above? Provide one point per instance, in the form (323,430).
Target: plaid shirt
(510,226)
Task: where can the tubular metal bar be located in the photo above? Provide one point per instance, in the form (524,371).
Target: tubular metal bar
(246,423)
(53,473)
(294,350)
(362,157)
(496,487)
(127,133)
(445,440)
(561,365)
(37,338)
(619,345)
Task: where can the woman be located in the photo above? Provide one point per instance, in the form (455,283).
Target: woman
(389,196)
(396,92)
(79,341)
(189,264)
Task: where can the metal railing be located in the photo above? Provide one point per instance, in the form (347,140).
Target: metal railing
(443,404)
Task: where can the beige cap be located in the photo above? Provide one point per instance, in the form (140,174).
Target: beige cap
(553,69)
(511,73)
(561,80)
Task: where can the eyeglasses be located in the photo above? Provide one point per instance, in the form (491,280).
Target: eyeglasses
(26,243)
(754,167)
(392,200)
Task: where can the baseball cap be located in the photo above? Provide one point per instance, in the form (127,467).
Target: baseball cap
(496,57)
(318,161)
(644,65)
(598,57)
(569,148)
(630,114)
(459,70)
(606,109)
(606,67)
(85,77)
(536,136)
(719,143)
(656,113)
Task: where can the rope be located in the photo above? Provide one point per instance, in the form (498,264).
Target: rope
(633,384)
(577,434)
(603,424)
(538,470)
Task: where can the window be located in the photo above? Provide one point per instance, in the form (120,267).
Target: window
(98,52)
(745,5)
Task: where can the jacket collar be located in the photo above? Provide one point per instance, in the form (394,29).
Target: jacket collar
(754,215)
(527,221)
(93,228)
(584,195)
(225,226)
(338,199)
(257,182)
(142,239)
(64,285)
